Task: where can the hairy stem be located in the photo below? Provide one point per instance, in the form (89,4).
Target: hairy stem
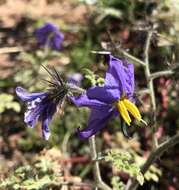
(122,52)
(96,169)
(160,74)
(150,84)
(131,58)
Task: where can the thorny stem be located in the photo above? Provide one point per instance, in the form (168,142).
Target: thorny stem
(158,149)
(152,95)
(123,52)
(131,58)
(128,56)
(150,84)
(153,156)
(96,169)
(160,74)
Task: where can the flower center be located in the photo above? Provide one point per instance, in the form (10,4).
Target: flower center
(124,106)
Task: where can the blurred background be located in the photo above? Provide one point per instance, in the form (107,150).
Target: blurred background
(29,162)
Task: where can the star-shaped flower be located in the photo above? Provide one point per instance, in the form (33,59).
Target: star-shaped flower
(115,97)
(42,106)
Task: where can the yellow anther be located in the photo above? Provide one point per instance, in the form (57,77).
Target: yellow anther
(132,108)
(123,111)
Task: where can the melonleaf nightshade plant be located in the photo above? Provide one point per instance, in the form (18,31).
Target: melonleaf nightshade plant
(42,106)
(115,97)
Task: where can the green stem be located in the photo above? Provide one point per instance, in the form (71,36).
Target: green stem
(150,84)
(96,169)
(160,74)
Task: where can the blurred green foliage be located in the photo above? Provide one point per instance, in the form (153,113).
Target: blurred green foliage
(7,102)
(38,176)
(92,78)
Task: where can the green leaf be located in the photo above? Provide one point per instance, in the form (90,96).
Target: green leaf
(117,184)
(140,179)
(124,161)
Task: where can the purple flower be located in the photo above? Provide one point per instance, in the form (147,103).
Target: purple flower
(75,79)
(41,106)
(49,35)
(115,97)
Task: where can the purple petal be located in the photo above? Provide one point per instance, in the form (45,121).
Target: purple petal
(105,94)
(84,100)
(45,129)
(115,75)
(120,74)
(45,30)
(46,118)
(75,79)
(32,116)
(56,42)
(130,79)
(97,121)
(26,96)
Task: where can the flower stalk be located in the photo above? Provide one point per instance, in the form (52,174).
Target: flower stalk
(96,169)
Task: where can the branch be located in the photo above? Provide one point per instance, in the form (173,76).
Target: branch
(142,92)
(124,53)
(150,83)
(153,156)
(128,56)
(160,74)
(96,170)
(131,58)
(158,150)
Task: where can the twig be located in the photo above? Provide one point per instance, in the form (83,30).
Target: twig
(114,48)
(131,58)
(101,52)
(158,150)
(65,143)
(96,170)
(151,92)
(142,92)
(128,56)
(122,52)
(150,83)
(153,156)
(160,74)
(10,50)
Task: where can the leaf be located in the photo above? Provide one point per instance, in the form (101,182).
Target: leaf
(153,173)
(117,184)
(140,179)
(123,161)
